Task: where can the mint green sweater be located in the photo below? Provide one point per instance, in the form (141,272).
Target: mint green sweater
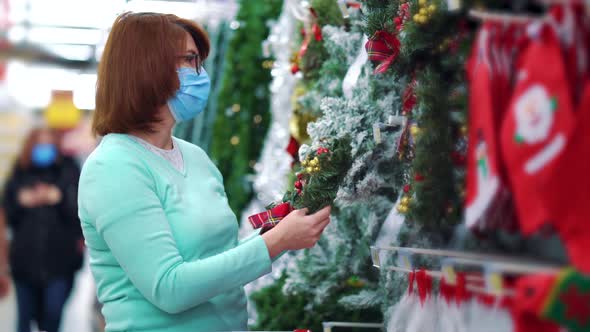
(163,244)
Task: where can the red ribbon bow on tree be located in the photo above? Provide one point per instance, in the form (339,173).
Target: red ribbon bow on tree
(383,47)
(317,31)
(270,218)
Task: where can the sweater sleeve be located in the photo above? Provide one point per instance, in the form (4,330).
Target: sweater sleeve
(254,235)
(119,197)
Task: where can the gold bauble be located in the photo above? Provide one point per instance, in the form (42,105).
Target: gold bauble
(423,19)
(316,169)
(402,209)
(309,169)
(298,126)
(235,140)
(423,11)
(464,130)
(415,130)
(422,2)
(405,200)
(416,18)
(304,163)
(235,108)
(431,9)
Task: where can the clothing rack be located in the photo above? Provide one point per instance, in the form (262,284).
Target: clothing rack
(489,263)
(470,287)
(503,263)
(484,15)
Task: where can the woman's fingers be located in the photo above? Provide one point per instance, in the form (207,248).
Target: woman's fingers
(320,226)
(321,214)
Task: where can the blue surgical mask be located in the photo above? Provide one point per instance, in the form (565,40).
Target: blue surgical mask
(191,98)
(43,155)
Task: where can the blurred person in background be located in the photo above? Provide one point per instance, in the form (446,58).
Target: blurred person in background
(40,207)
(4,269)
(162,239)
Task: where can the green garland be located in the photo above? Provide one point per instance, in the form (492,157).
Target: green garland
(241,124)
(320,176)
(434,181)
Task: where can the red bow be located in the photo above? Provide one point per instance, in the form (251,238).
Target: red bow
(383,47)
(317,31)
(270,218)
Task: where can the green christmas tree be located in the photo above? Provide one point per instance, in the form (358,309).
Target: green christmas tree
(243,106)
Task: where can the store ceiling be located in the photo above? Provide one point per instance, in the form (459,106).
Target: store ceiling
(48,45)
(72,32)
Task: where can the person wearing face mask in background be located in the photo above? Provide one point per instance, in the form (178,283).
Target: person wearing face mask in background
(161,236)
(40,208)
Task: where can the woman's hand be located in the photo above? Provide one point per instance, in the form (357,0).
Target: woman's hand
(297,231)
(28,198)
(49,194)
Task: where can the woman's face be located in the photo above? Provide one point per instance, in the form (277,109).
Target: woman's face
(45,137)
(190,56)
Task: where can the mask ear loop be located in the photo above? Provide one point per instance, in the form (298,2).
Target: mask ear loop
(198,63)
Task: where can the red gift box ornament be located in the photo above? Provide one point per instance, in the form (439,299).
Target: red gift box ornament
(270,218)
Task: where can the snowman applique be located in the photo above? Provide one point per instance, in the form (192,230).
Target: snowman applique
(535,115)
(488,184)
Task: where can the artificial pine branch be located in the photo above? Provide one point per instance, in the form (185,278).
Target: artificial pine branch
(320,176)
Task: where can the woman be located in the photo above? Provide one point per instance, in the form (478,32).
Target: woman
(40,206)
(161,236)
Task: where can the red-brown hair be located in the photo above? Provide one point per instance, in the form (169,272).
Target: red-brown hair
(137,72)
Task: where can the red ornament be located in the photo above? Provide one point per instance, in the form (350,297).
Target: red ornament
(317,31)
(298,185)
(293,147)
(322,151)
(406,188)
(577,305)
(409,98)
(419,177)
(458,158)
(404,15)
(354,4)
(300,176)
(294,69)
